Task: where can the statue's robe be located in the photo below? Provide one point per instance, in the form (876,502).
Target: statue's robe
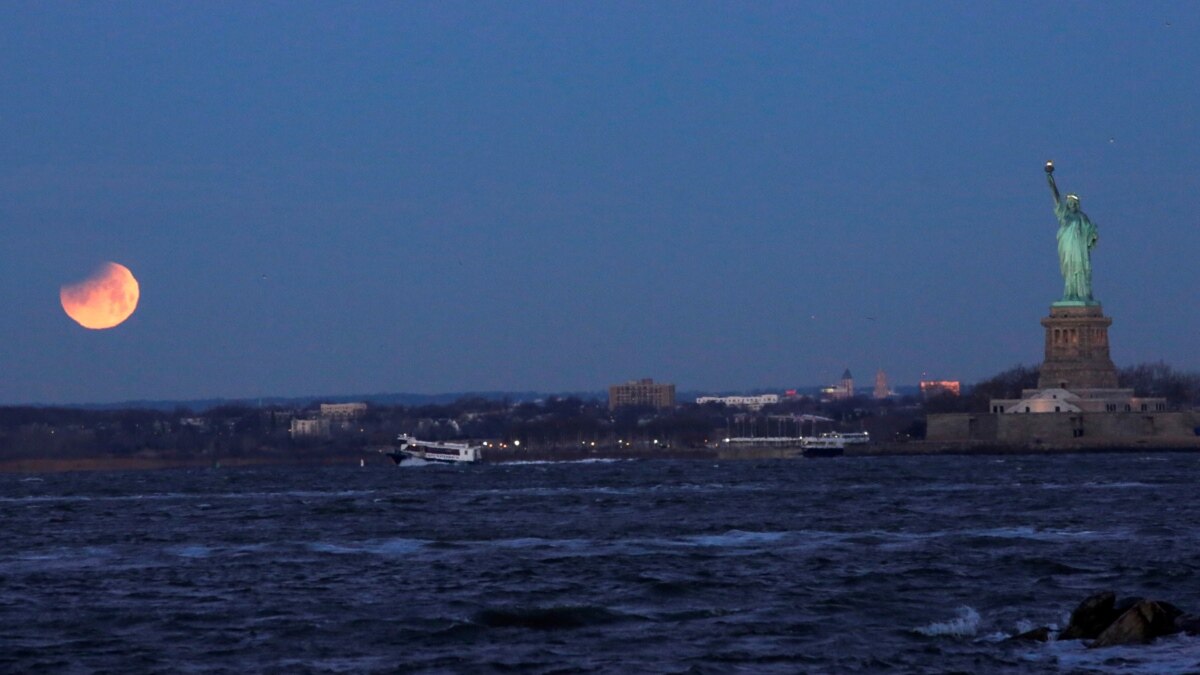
(1076,238)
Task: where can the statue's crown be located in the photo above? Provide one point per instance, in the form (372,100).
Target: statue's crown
(1073,196)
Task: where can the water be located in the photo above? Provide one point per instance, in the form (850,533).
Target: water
(844,565)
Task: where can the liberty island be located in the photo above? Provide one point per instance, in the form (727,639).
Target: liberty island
(1078,404)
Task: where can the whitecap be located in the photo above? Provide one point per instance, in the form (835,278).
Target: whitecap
(1025,532)
(735,538)
(414,462)
(398,546)
(588,460)
(1172,654)
(993,637)
(1097,485)
(963,625)
(388,547)
(328,547)
(533,542)
(191,551)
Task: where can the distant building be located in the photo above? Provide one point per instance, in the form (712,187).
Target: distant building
(193,422)
(751,402)
(641,392)
(1081,400)
(343,411)
(881,385)
(309,428)
(840,391)
(932,388)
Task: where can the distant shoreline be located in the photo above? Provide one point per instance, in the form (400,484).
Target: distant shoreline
(1064,447)
(911,448)
(51,465)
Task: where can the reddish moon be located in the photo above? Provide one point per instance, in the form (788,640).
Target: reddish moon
(102,300)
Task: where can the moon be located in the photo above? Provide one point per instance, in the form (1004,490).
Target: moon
(103,300)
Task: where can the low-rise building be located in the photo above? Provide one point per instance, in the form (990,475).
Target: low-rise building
(302,428)
(933,388)
(193,422)
(343,411)
(751,402)
(1081,400)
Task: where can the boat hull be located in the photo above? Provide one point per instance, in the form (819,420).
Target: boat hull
(824,452)
(401,456)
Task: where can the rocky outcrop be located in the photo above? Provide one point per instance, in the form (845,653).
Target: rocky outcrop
(1140,624)
(1188,623)
(1091,617)
(1132,621)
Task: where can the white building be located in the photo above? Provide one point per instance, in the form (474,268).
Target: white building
(1056,400)
(751,402)
(343,411)
(309,428)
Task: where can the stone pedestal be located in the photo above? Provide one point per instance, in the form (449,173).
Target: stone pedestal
(1077,349)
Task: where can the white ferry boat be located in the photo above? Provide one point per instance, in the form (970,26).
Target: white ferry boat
(855,437)
(833,444)
(435,451)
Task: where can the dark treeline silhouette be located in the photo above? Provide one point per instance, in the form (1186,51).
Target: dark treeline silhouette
(1181,389)
(1160,380)
(237,430)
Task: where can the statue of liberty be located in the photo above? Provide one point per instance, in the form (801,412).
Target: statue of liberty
(1076,239)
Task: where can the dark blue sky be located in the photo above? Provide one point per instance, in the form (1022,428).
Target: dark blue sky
(368,197)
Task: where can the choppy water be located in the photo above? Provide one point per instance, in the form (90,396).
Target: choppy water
(844,565)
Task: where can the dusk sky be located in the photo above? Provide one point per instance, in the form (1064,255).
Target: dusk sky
(345,198)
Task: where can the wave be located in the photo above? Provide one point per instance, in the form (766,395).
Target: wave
(388,547)
(1171,654)
(540,542)
(734,538)
(1036,534)
(191,551)
(965,624)
(548,618)
(160,496)
(589,460)
(1097,485)
(81,553)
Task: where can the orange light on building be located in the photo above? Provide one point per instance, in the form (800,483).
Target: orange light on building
(931,388)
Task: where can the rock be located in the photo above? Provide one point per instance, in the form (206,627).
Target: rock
(1188,623)
(1036,635)
(1125,604)
(1171,610)
(1138,625)
(1091,617)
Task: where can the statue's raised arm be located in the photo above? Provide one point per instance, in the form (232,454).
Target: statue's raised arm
(1050,178)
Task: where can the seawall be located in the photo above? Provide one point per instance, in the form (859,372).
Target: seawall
(1062,447)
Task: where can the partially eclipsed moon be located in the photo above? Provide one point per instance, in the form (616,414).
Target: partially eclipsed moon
(104,299)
